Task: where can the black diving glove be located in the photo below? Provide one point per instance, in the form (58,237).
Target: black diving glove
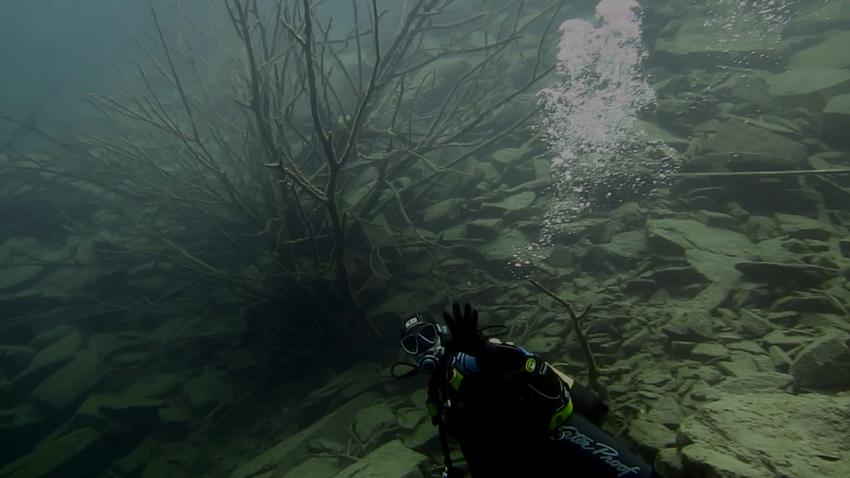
(463,328)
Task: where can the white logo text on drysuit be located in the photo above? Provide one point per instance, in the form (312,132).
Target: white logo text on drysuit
(606,453)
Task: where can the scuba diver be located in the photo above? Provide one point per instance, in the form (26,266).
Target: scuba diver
(513,414)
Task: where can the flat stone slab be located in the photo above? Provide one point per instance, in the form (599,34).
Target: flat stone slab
(392,459)
(75,455)
(767,434)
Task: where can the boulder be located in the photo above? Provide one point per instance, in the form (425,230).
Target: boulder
(424,438)
(801,227)
(75,455)
(484,228)
(702,36)
(503,249)
(511,207)
(374,422)
(823,364)
(443,212)
(343,387)
(208,390)
(818,17)
(286,454)
(786,274)
(51,335)
(750,147)
(21,427)
(49,359)
(830,53)
(709,352)
(392,459)
(803,301)
(680,235)
(836,120)
(315,467)
(69,384)
(758,382)
(103,410)
(651,437)
(625,248)
(810,87)
(767,434)
(690,326)
(14,359)
(154,386)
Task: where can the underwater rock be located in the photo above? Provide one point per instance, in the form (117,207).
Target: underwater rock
(443,212)
(836,120)
(409,418)
(75,455)
(315,467)
(484,228)
(15,358)
(810,87)
(153,386)
(823,364)
(50,336)
(70,383)
(758,435)
(719,220)
(373,423)
(21,427)
(668,463)
(175,417)
(392,459)
(502,250)
(801,227)
(747,90)
(742,364)
(6,395)
(830,53)
(820,16)
(787,339)
(131,463)
(105,412)
(701,38)
(109,345)
(844,247)
(679,235)
(625,249)
(690,326)
(49,359)
(757,382)
(345,386)
(750,147)
(207,390)
(506,156)
(737,161)
(650,437)
(424,438)
(674,276)
(512,206)
(808,302)
(708,352)
(284,455)
(835,196)
(786,274)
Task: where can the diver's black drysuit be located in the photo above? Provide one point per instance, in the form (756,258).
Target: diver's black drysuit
(513,416)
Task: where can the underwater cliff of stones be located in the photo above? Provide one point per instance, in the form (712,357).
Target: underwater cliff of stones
(215,216)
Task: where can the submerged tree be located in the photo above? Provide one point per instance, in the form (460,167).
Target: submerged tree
(301,169)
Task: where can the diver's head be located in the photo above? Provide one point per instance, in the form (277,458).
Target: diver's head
(424,341)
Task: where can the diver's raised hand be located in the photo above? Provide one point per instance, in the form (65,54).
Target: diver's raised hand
(463,327)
